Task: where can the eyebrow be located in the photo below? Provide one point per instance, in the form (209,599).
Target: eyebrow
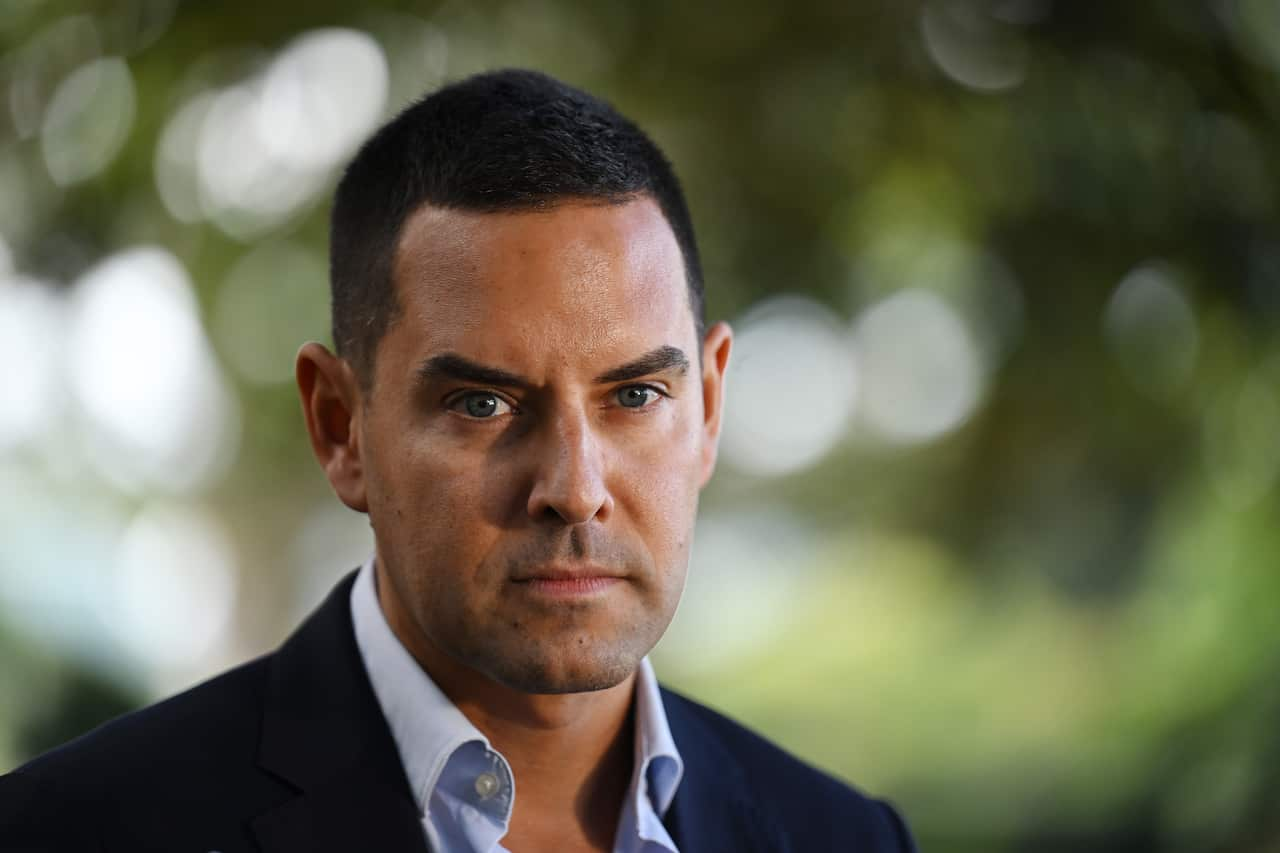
(659,360)
(450,365)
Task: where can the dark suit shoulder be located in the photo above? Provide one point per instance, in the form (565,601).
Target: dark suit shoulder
(159,767)
(35,817)
(203,721)
(814,810)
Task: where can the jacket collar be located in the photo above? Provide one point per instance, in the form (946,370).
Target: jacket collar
(714,808)
(323,733)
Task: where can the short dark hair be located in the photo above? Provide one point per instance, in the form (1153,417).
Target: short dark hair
(498,141)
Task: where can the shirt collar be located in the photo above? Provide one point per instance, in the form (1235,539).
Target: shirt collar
(657,770)
(426,726)
(657,761)
(429,729)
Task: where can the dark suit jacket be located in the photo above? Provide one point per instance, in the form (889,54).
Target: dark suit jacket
(290,752)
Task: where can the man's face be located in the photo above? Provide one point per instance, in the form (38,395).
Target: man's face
(538,430)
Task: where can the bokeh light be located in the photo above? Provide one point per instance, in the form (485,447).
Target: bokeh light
(331,541)
(143,372)
(971,47)
(1151,328)
(88,120)
(31,334)
(274,298)
(922,373)
(175,160)
(174,587)
(55,541)
(251,155)
(321,97)
(1242,439)
(68,42)
(794,387)
(243,188)
(745,571)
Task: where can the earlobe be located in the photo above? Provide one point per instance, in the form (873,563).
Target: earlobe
(331,406)
(716,347)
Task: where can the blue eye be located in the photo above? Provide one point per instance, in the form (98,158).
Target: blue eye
(636,396)
(482,405)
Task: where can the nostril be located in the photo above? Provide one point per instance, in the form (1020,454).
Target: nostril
(550,513)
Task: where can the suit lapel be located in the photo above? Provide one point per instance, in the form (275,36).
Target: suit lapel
(355,812)
(713,809)
(325,735)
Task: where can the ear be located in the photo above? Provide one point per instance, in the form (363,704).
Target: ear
(715,361)
(331,405)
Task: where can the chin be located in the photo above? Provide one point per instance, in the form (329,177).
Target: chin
(554,671)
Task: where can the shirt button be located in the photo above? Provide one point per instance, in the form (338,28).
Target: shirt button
(486,785)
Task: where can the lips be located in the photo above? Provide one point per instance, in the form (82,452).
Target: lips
(586,571)
(569,581)
(570,586)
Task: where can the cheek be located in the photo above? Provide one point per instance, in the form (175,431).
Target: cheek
(660,480)
(424,473)
(432,506)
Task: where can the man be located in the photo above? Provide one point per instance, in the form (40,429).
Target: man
(526,402)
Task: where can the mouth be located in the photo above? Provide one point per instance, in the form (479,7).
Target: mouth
(569,582)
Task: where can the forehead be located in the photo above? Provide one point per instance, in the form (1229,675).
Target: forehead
(583,280)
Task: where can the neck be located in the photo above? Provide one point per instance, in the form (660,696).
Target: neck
(571,756)
(557,731)
(571,753)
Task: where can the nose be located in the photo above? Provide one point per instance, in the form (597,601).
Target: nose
(569,482)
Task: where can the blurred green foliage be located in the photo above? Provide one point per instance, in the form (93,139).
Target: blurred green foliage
(1053,628)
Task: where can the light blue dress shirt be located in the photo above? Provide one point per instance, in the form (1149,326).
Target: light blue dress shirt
(465,789)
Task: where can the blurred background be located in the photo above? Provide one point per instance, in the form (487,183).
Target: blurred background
(996,531)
